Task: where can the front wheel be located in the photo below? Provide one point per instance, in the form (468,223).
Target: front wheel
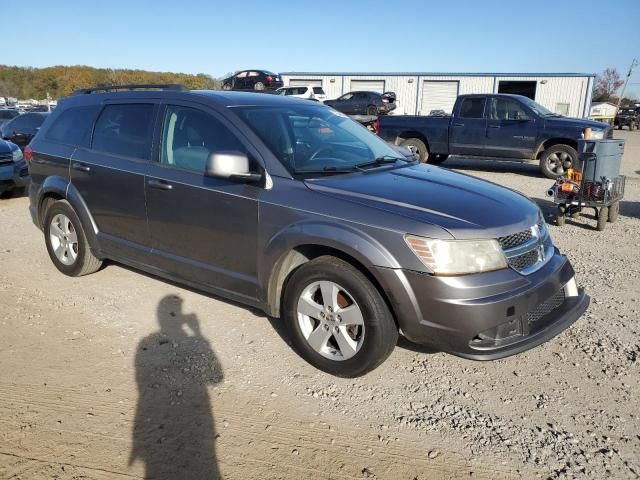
(556,160)
(337,319)
(226,86)
(66,241)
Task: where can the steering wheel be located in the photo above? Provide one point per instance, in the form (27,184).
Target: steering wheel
(318,150)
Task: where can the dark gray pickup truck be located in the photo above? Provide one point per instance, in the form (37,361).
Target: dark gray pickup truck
(502,126)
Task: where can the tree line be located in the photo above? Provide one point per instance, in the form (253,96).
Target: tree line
(60,81)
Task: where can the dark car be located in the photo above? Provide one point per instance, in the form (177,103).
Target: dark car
(364,103)
(293,208)
(495,126)
(253,80)
(14,173)
(628,117)
(21,129)
(7,114)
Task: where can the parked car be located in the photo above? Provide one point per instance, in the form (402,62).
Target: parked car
(7,114)
(627,117)
(495,126)
(253,80)
(309,92)
(293,208)
(14,173)
(364,103)
(21,129)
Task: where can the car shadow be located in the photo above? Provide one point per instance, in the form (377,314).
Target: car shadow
(174,430)
(522,167)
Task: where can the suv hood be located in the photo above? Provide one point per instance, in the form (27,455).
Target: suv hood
(465,206)
(5,147)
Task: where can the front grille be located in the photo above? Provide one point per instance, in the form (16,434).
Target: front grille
(525,260)
(546,307)
(515,239)
(6,158)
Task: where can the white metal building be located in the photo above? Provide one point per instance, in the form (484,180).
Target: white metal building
(421,93)
(602,111)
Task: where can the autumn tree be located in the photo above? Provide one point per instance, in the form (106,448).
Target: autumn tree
(607,83)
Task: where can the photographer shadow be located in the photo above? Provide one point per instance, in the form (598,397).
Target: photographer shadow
(174,430)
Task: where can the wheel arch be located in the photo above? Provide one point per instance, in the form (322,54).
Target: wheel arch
(408,134)
(555,141)
(286,253)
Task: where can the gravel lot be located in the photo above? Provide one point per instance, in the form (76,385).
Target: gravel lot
(97,382)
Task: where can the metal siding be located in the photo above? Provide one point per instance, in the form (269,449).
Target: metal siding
(305,82)
(367,85)
(438,95)
(332,84)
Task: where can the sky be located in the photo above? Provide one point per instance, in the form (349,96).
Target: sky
(217,37)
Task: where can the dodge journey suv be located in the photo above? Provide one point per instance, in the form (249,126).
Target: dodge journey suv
(291,207)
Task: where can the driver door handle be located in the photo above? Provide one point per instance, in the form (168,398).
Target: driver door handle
(458,124)
(494,126)
(81,167)
(159,184)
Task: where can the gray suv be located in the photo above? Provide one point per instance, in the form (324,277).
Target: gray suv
(291,207)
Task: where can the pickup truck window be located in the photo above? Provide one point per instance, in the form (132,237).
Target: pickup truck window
(506,109)
(472,107)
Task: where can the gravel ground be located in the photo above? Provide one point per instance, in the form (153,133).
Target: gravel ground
(122,375)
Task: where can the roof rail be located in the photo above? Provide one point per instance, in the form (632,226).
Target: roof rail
(144,86)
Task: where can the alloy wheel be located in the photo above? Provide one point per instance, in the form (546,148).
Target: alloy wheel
(559,162)
(330,320)
(64,239)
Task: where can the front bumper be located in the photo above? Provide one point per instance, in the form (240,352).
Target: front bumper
(14,175)
(486,316)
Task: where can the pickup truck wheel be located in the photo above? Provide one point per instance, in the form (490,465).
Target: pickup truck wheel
(417,147)
(556,160)
(66,241)
(337,319)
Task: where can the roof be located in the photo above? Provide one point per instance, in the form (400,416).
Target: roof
(594,104)
(438,74)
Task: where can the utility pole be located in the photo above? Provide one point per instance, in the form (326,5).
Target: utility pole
(634,64)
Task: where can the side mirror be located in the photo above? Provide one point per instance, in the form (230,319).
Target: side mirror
(230,164)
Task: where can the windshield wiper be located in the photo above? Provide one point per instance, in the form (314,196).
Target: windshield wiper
(381,161)
(328,170)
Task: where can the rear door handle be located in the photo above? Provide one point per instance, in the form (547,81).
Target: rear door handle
(159,184)
(494,126)
(458,124)
(81,167)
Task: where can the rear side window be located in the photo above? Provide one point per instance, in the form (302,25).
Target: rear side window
(318,91)
(73,126)
(125,130)
(472,107)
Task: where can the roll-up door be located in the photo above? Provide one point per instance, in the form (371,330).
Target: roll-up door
(438,96)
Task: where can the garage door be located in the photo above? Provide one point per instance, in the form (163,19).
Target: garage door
(367,86)
(305,83)
(438,96)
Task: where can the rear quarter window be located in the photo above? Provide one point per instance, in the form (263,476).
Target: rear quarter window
(73,126)
(318,91)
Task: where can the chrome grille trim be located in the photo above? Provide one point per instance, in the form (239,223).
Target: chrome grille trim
(532,254)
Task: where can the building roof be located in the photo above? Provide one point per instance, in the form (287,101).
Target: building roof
(438,74)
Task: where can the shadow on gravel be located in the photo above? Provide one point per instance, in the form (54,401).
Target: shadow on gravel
(415,347)
(630,209)
(174,431)
(526,168)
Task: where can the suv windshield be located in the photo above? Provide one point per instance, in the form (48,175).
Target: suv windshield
(539,109)
(316,139)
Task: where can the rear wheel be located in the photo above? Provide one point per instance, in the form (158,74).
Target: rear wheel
(66,241)
(337,319)
(603,216)
(556,160)
(417,147)
(259,86)
(372,110)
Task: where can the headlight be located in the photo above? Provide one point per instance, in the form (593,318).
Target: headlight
(457,257)
(16,155)
(597,134)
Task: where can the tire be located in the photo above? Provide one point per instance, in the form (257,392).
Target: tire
(258,86)
(80,259)
(372,110)
(226,86)
(418,147)
(614,210)
(370,340)
(437,158)
(556,159)
(632,127)
(603,216)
